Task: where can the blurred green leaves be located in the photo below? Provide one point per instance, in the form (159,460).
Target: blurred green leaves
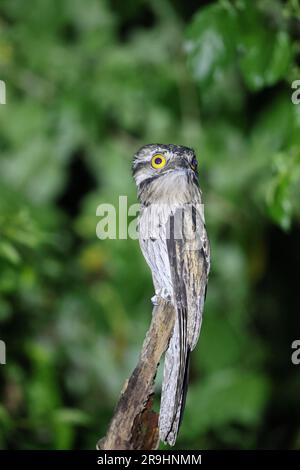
(228,396)
(286,173)
(226,35)
(87,86)
(239,45)
(211,41)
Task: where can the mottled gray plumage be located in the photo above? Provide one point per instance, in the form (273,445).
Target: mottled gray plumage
(174,242)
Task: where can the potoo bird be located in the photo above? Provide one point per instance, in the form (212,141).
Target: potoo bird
(174,242)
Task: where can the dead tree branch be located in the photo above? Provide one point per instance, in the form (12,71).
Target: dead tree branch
(134,424)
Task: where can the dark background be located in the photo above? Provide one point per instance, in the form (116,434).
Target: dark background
(88,83)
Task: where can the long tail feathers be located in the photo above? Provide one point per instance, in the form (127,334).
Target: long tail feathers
(174,389)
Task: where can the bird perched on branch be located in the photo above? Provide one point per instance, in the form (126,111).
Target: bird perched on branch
(174,243)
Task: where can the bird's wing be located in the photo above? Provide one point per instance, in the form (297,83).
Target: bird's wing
(196,266)
(188,251)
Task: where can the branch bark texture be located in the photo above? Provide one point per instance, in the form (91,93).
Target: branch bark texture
(134,424)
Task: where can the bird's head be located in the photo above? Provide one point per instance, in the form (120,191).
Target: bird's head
(164,167)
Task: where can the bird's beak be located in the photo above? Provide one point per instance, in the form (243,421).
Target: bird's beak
(191,166)
(179,163)
(187,165)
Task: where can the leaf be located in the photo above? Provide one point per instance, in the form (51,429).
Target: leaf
(224,397)
(210,41)
(222,36)
(265,57)
(9,252)
(287,170)
(71,416)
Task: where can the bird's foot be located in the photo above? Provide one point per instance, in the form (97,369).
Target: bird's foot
(154,300)
(161,294)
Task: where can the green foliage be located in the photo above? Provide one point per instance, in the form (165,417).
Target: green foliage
(87,84)
(234,35)
(225,397)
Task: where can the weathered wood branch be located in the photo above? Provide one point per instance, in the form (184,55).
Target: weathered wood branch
(134,424)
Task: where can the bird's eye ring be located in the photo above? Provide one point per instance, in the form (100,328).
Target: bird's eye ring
(158,161)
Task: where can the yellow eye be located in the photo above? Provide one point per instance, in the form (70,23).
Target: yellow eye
(158,161)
